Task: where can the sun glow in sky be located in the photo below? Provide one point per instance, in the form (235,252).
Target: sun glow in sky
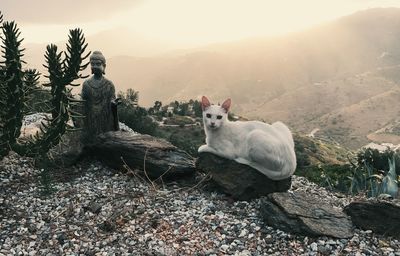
(183,23)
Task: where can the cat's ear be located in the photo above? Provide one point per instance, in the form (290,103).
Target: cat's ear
(226,105)
(205,103)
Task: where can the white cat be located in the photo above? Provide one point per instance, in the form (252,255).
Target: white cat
(267,148)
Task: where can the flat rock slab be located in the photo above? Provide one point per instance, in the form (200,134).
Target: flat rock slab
(305,215)
(144,152)
(382,217)
(240,181)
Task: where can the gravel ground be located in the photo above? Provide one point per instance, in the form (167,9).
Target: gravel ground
(107,212)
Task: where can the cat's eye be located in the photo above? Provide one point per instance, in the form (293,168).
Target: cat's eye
(219,117)
(208,115)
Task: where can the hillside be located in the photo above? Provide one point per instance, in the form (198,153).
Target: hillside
(342,109)
(307,79)
(307,103)
(351,124)
(265,68)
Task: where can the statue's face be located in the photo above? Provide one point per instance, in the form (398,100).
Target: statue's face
(97,67)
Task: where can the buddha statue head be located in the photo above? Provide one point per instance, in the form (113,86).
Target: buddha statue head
(97,63)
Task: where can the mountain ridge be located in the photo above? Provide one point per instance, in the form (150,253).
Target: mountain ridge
(303,75)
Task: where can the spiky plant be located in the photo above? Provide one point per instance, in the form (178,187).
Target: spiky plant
(31,79)
(12,101)
(15,83)
(375,185)
(389,182)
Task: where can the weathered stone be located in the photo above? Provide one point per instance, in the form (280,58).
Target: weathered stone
(144,152)
(240,181)
(306,215)
(382,217)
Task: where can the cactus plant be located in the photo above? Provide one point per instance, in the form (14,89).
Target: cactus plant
(15,84)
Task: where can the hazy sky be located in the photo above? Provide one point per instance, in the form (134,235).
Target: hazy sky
(180,22)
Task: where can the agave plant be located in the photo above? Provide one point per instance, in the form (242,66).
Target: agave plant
(374,185)
(16,84)
(389,182)
(364,180)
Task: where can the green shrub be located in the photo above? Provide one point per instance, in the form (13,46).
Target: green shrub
(178,120)
(334,177)
(134,116)
(186,138)
(137,119)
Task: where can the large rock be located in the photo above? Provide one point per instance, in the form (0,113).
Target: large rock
(240,181)
(156,156)
(382,217)
(306,215)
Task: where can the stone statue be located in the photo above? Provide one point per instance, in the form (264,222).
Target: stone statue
(100,103)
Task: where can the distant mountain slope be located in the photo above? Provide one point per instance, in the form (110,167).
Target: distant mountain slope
(307,103)
(307,79)
(259,69)
(351,125)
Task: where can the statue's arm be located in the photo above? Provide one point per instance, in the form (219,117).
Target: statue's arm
(113,99)
(114,105)
(112,91)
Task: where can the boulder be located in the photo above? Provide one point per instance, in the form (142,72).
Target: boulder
(240,181)
(382,217)
(306,215)
(155,156)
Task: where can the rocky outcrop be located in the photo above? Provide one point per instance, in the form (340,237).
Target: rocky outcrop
(240,181)
(382,217)
(155,156)
(306,215)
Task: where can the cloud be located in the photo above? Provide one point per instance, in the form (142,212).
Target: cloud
(62,11)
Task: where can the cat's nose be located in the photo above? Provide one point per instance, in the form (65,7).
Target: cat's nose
(212,124)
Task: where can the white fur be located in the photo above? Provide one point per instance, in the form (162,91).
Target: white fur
(267,148)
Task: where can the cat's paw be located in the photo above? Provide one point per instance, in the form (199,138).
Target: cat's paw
(203,148)
(206,149)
